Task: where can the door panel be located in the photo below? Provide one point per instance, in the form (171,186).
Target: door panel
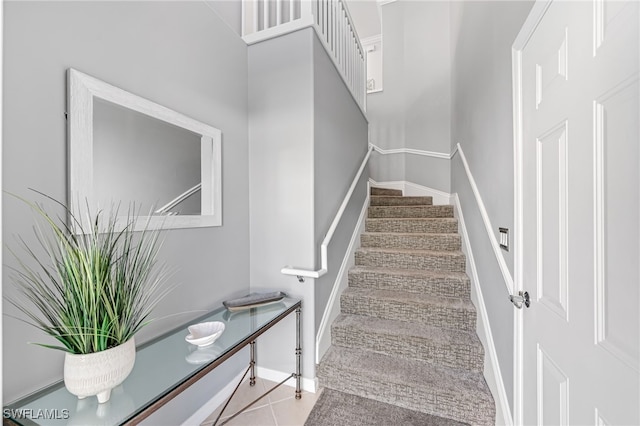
(617,266)
(551,164)
(553,389)
(581,215)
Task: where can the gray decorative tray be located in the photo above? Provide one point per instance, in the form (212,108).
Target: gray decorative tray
(254,300)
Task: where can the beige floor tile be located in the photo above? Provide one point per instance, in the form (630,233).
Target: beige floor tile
(280,393)
(280,408)
(262,416)
(294,412)
(243,396)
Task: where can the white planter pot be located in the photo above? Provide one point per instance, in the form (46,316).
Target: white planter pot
(99,372)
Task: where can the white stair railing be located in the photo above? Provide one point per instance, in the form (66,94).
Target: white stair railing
(263,19)
(300,273)
(180,198)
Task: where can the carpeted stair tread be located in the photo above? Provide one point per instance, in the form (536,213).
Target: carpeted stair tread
(385,191)
(411,240)
(411,259)
(445,284)
(453,393)
(395,200)
(335,408)
(448,348)
(444,312)
(406,334)
(411,211)
(422,225)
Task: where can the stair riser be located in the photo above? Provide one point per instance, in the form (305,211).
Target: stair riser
(432,287)
(406,335)
(445,317)
(424,399)
(386,191)
(431,226)
(454,262)
(385,200)
(411,211)
(440,242)
(454,355)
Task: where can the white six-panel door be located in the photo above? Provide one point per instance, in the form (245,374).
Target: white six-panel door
(578,155)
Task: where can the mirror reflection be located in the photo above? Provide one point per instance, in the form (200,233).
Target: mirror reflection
(139,159)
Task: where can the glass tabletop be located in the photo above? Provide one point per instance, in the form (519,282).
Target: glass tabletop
(160,367)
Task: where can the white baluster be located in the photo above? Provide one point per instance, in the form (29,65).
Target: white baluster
(278,12)
(350,73)
(363,77)
(334,30)
(345,67)
(355,61)
(339,36)
(346,49)
(330,29)
(356,65)
(265,14)
(357,88)
(327,24)
(256,12)
(363,89)
(244,10)
(326,20)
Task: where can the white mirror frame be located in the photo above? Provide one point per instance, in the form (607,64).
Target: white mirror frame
(82,91)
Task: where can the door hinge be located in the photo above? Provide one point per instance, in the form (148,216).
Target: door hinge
(520,299)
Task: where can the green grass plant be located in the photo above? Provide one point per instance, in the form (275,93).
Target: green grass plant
(96,283)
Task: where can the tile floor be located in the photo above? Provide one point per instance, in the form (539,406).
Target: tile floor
(279,408)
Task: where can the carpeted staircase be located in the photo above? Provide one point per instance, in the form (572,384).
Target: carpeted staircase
(404,348)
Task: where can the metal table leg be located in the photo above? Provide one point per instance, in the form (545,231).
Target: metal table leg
(298,355)
(252,375)
(252,364)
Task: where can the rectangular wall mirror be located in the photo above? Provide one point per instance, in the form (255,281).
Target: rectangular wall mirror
(127,150)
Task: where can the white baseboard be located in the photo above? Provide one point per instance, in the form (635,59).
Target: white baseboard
(413,189)
(492,373)
(210,406)
(332,310)
(439,197)
(309,385)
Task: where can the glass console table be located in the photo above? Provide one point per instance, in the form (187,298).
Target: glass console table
(164,367)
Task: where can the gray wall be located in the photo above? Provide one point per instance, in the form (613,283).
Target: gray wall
(230,11)
(178,54)
(307,138)
(413,109)
(481,121)
(340,144)
(281,185)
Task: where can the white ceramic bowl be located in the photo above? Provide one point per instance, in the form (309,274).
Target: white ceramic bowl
(204,333)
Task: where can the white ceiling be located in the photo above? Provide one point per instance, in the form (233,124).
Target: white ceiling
(366,17)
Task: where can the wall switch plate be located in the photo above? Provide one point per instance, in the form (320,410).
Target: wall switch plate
(504,238)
